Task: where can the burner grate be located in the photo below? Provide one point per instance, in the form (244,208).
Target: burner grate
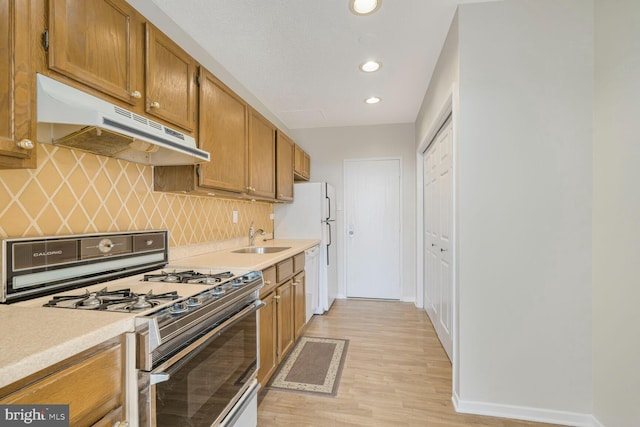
(115,300)
(189,276)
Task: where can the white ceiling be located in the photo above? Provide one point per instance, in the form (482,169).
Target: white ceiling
(300,58)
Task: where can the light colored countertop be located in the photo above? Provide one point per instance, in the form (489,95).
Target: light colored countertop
(35,337)
(228,259)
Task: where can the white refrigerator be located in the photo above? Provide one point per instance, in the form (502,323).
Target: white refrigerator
(312,216)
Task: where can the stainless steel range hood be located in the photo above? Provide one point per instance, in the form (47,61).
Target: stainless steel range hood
(71,118)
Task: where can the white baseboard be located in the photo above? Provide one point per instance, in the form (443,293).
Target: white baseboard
(525,413)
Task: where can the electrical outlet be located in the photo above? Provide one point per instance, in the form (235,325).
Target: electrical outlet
(234,217)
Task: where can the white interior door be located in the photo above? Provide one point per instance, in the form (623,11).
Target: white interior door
(372,218)
(438,228)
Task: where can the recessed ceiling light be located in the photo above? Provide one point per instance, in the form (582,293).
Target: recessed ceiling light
(370,66)
(364,7)
(372,100)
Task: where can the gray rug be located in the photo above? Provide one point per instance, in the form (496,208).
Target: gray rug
(314,366)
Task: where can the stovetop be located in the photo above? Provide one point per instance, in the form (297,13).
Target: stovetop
(169,287)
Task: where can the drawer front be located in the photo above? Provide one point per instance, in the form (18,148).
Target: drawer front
(298,262)
(284,270)
(269,277)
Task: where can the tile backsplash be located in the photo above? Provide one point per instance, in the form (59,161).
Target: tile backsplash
(73,192)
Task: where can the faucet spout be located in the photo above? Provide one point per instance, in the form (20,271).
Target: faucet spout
(252,234)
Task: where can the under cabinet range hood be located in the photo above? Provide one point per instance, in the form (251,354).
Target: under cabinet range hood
(71,118)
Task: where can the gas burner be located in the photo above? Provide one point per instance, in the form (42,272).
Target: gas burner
(189,276)
(139,302)
(122,300)
(97,300)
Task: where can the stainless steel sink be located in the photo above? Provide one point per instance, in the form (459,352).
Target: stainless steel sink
(261,250)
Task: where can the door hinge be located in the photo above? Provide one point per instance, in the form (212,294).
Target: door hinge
(198,79)
(45,39)
(198,172)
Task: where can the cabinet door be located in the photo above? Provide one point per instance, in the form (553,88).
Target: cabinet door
(299,306)
(301,164)
(268,339)
(284,298)
(91,385)
(284,168)
(93,43)
(170,80)
(16,86)
(223,133)
(262,135)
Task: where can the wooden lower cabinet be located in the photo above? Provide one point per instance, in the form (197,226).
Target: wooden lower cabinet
(268,339)
(282,319)
(299,305)
(92,383)
(284,305)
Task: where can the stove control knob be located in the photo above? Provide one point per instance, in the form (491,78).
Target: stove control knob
(194,301)
(179,307)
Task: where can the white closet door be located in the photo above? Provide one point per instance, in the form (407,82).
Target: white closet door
(438,227)
(372,218)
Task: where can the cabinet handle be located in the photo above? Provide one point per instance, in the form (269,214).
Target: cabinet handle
(136,94)
(296,282)
(154,105)
(276,297)
(25,144)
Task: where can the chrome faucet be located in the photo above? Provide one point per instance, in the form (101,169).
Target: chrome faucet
(252,234)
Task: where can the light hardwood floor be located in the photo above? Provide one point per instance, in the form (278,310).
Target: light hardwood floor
(395,374)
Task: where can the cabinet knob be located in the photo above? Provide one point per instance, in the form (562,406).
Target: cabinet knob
(267,282)
(276,297)
(121,424)
(26,144)
(154,105)
(136,94)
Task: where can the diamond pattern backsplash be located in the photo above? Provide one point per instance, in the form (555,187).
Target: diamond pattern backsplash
(73,192)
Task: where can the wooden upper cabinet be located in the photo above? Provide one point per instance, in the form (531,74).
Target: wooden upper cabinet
(223,133)
(170,75)
(262,137)
(17,124)
(301,164)
(93,42)
(284,168)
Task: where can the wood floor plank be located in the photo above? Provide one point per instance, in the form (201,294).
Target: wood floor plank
(395,374)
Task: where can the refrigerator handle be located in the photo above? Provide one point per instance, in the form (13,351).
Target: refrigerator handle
(330,240)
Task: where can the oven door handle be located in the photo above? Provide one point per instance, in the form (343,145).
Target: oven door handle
(158,377)
(182,357)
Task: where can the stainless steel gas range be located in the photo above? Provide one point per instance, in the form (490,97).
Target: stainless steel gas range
(195,328)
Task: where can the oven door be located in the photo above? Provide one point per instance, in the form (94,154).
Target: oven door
(201,384)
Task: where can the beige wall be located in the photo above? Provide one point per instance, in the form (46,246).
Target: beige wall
(73,192)
(616,214)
